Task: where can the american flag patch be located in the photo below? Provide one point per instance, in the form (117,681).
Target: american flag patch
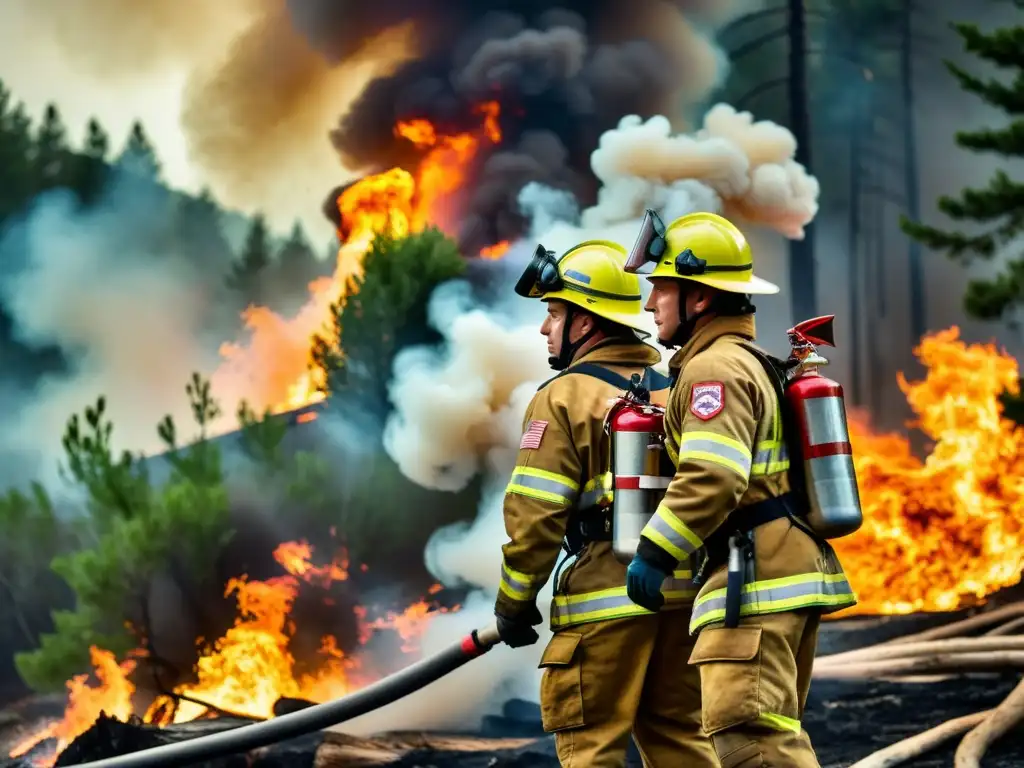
(533,435)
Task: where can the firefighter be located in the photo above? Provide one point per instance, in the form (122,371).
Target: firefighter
(764,577)
(611,667)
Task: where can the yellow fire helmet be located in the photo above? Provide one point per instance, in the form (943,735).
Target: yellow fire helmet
(589,275)
(702,247)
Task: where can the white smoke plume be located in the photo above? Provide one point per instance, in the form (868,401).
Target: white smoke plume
(732,165)
(459,410)
(130,322)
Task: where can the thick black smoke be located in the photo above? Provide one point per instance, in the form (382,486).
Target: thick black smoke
(562,76)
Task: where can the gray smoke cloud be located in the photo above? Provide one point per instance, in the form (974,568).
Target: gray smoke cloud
(132,321)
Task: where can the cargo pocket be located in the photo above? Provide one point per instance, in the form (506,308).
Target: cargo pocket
(729,660)
(561,687)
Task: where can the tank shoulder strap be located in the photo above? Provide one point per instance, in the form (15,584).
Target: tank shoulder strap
(652,380)
(596,371)
(772,366)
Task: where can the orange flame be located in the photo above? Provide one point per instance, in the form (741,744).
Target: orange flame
(272,368)
(250,667)
(941,533)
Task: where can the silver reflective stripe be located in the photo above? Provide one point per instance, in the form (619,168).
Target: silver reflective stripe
(775,595)
(654,482)
(516,585)
(717,452)
(548,487)
(612,603)
(769,459)
(590,499)
(595,491)
(661,532)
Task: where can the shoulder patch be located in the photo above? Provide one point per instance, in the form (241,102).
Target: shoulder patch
(533,435)
(707,399)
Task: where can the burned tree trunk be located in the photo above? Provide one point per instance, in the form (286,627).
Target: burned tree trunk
(918,320)
(854,271)
(803,284)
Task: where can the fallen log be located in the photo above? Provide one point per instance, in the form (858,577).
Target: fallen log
(340,750)
(964,626)
(915,665)
(1009,628)
(906,750)
(1007,715)
(903,650)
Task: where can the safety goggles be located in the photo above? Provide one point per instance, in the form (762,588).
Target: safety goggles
(540,276)
(651,245)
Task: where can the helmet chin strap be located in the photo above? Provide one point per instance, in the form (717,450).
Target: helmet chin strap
(567,350)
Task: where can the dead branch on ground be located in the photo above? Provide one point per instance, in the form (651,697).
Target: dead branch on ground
(950,649)
(915,746)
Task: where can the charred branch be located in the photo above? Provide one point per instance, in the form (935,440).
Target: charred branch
(155,663)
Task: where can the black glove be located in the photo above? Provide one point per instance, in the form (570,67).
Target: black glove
(518,631)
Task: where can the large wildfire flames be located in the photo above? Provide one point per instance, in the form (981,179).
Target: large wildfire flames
(273,368)
(939,533)
(249,668)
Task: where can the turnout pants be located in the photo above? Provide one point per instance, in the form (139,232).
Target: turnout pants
(606,679)
(755,679)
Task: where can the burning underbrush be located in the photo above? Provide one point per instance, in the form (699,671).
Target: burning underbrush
(252,667)
(942,532)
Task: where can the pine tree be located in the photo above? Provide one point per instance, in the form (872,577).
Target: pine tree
(999,207)
(50,154)
(16,146)
(248,273)
(198,232)
(139,157)
(90,167)
(297,265)
(97,142)
(385,310)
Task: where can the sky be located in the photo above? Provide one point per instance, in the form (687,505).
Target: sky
(105,58)
(40,74)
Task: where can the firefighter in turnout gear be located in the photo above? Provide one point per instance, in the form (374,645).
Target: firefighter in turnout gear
(764,577)
(611,667)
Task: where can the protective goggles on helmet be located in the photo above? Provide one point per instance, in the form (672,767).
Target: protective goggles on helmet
(650,247)
(540,276)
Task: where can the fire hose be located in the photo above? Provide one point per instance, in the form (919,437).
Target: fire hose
(315,718)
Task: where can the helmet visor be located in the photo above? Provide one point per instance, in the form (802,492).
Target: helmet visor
(650,243)
(540,276)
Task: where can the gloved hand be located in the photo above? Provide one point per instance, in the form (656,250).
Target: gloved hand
(643,584)
(518,631)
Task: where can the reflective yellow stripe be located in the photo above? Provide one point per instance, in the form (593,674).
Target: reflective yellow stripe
(518,585)
(614,603)
(779,722)
(543,485)
(597,490)
(770,458)
(673,452)
(671,534)
(828,591)
(717,449)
